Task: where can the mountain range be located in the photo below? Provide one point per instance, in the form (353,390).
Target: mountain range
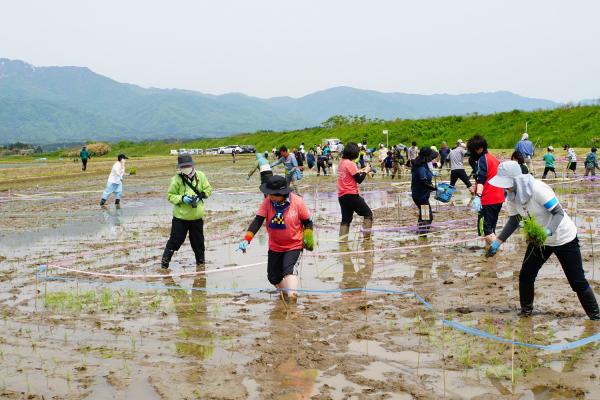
(68,104)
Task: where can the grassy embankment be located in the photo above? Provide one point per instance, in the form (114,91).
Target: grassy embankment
(578,126)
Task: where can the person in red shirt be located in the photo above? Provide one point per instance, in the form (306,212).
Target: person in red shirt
(349,176)
(488,199)
(290,230)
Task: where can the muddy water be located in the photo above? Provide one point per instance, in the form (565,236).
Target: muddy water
(212,337)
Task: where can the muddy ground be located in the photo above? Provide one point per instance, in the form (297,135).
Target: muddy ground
(225,334)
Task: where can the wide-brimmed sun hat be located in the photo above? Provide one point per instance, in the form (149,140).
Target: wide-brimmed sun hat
(185,161)
(276,184)
(507,172)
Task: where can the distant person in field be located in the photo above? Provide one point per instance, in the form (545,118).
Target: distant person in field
(528,196)
(114,184)
(571,159)
(381,155)
(525,147)
(518,157)
(591,162)
(349,177)
(549,162)
(457,165)
(413,152)
(84,154)
(397,161)
(187,192)
(262,165)
(487,199)
(290,230)
(444,153)
(421,187)
(388,163)
(293,174)
(310,158)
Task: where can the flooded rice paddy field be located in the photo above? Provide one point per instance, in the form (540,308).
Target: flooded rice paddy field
(225,334)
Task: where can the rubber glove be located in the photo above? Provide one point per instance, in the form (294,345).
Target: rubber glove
(243,245)
(187,199)
(309,240)
(548,232)
(476,204)
(493,249)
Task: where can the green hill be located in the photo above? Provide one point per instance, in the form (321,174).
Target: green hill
(578,126)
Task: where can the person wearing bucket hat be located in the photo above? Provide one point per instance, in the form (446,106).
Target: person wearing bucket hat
(114,184)
(290,230)
(487,199)
(421,187)
(187,191)
(549,162)
(529,197)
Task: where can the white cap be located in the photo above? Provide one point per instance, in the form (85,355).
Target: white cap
(507,172)
(525,136)
(550,148)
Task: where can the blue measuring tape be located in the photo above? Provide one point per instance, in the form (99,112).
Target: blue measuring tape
(453,324)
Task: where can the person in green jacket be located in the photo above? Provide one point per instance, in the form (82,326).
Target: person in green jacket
(187,192)
(84,154)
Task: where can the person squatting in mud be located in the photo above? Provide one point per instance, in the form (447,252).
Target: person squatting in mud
(528,196)
(290,230)
(349,176)
(187,191)
(487,199)
(421,187)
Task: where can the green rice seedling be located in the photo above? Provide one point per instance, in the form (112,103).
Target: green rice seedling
(535,234)
(133,171)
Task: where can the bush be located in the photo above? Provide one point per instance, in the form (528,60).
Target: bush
(98,149)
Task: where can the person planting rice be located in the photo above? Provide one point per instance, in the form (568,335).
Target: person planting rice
(549,231)
(549,162)
(114,184)
(263,166)
(187,191)
(488,199)
(421,187)
(292,170)
(571,159)
(457,166)
(290,230)
(349,176)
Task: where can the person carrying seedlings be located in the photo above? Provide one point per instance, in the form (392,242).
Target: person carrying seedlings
(349,176)
(571,159)
(421,187)
(457,166)
(292,171)
(84,154)
(263,166)
(526,148)
(549,162)
(114,184)
(549,230)
(591,163)
(487,199)
(187,191)
(397,162)
(290,229)
(518,157)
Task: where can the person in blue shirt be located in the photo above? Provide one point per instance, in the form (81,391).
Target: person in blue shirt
(591,163)
(293,173)
(525,147)
(422,186)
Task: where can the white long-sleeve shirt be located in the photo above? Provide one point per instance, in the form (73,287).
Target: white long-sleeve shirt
(117,173)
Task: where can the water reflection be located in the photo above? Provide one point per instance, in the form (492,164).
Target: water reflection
(357,270)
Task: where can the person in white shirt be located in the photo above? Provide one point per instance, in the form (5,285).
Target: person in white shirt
(571,160)
(115,181)
(381,155)
(528,196)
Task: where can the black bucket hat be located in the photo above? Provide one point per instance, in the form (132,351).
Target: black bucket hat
(276,184)
(185,161)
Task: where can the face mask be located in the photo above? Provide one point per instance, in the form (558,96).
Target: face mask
(189,171)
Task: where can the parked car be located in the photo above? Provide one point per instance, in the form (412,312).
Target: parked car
(212,151)
(230,149)
(248,148)
(174,152)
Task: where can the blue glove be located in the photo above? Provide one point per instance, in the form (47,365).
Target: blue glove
(493,249)
(244,245)
(187,199)
(476,204)
(548,232)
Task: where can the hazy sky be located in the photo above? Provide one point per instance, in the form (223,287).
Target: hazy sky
(548,49)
